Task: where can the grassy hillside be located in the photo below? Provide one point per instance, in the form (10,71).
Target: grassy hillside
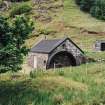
(70,21)
(84,85)
(58,18)
(79,23)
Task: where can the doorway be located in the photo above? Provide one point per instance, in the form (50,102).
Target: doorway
(102,46)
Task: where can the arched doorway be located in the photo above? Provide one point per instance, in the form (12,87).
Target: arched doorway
(61,59)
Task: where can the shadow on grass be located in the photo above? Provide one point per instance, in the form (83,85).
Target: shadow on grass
(22,93)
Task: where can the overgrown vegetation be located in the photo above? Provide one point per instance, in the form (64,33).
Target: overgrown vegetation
(83,85)
(20,9)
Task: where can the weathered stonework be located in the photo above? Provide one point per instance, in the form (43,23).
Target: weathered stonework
(62,54)
(71,48)
(41,60)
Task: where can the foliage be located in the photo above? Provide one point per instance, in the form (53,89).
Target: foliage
(33,74)
(12,39)
(1,2)
(61,72)
(86,5)
(58,99)
(78,1)
(98,10)
(21,9)
(95,7)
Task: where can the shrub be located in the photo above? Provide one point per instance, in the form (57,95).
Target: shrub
(21,9)
(95,7)
(78,1)
(86,5)
(1,2)
(98,10)
(95,12)
(61,73)
(33,74)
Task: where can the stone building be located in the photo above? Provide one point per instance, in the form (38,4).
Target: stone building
(100,45)
(55,53)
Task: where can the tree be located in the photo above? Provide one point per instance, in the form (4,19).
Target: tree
(86,5)
(20,9)
(98,10)
(12,42)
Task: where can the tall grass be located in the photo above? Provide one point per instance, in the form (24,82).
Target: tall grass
(66,86)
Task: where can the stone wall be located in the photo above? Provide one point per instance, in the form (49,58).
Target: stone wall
(31,59)
(97,46)
(70,47)
(41,60)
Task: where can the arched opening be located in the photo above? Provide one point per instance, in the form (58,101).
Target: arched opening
(61,59)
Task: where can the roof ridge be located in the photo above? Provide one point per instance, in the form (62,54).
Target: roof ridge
(58,43)
(47,46)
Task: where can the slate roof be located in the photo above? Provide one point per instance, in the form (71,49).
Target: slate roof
(46,46)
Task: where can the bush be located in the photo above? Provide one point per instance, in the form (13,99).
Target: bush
(98,10)
(61,73)
(1,2)
(95,12)
(21,9)
(78,1)
(86,5)
(33,74)
(95,7)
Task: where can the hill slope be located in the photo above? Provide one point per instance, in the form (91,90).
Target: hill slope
(58,18)
(66,19)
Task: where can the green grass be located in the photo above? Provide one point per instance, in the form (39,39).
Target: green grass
(75,17)
(83,85)
(78,19)
(96,55)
